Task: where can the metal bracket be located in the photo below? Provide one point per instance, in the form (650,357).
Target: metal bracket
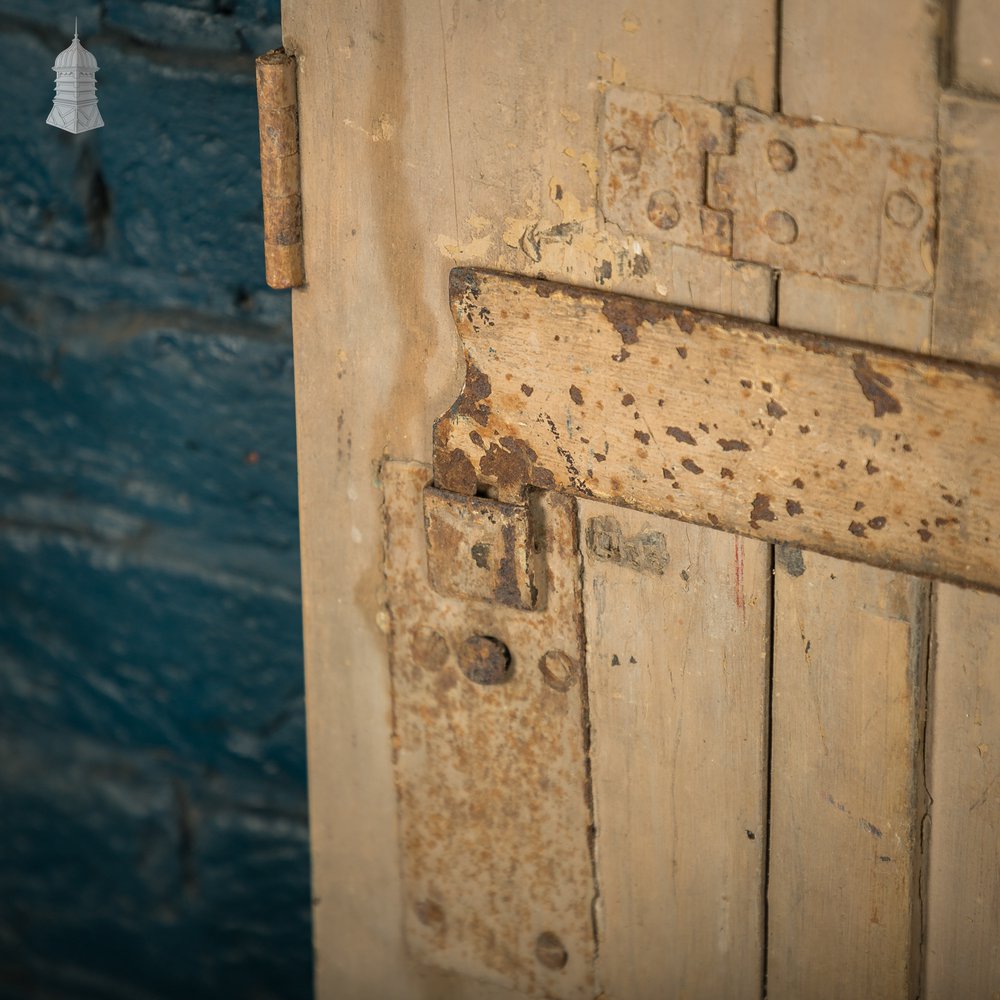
(490,735)
(793,194)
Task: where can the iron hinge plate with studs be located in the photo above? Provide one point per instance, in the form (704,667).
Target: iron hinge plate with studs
(490,734)
(796,195)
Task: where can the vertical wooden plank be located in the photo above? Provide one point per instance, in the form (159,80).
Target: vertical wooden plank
(868,65)
(967,297)
(435,134)
(845,815)
(976,60)
(847,791)
(678,654)
(962,946)
(963,891)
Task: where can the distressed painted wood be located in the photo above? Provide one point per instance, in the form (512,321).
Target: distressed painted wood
(867,65)
(976,38)
(678,657)
(967,299)
(843,899)
(857,452)
(433,135)
(850,641)
(962,946)
(963,888)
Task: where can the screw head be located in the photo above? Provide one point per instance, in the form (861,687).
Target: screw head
(550,951)
(781,227)
(558,670)
(663,210)
(668,133)
(902,208)
(484,660)
(781,156)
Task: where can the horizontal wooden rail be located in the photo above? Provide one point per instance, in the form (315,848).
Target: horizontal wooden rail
(848,449)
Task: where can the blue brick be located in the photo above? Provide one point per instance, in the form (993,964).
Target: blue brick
(169,420)
(178,161)
(152,649)
(225,27)
(147,880)
(42,169)
(152,766)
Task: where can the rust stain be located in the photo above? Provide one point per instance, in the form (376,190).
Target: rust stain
(471,403)
(875,386)
(454,471)
(681,435)
(511,464)
(625,315)
(684,321)
(761,510)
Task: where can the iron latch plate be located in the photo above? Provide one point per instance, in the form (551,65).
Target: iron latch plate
(494,796)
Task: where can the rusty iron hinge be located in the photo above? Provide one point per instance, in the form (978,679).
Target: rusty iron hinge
(490,734)
(792,194)
(277,104)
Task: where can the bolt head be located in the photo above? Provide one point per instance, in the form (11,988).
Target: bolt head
(558,670)
(550,951)
(663,209)
(484,660)
(781,227)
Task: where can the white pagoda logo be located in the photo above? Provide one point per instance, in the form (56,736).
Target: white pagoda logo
(75,106)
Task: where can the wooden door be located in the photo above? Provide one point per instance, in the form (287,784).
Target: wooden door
(793,759)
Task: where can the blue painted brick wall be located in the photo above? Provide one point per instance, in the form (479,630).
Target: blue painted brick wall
(153,834)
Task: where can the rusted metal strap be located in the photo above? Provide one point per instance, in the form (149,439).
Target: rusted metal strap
(490,739)
(277,104)
(847,449)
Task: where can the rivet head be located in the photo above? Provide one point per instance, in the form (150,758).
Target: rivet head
(902,208)
(663,210)
(781,156)
(484,660)
(781,227)
(668,133)
(558,670)
(550,951)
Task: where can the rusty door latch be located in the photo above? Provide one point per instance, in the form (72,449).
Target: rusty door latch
(490,734)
